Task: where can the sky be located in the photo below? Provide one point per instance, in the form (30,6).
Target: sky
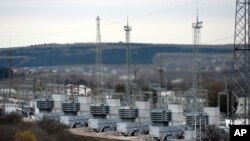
(30,22)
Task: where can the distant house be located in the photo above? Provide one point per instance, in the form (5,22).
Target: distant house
(77,89)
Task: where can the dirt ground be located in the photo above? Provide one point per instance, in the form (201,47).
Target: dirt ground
(105,135)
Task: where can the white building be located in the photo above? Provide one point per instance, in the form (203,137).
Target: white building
(77,90)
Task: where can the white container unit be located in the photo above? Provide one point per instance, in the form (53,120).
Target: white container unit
(102,125)
(84,99)
(113,102)
(58,97)
(165,133)
(142,104)
(132,128)
(214,115)
(176,108)
(74,121)
(144,113)
(84,107)
(9,108)
(48,116)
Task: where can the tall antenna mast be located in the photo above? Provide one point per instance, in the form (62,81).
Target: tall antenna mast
(127,30)
(241,67)
(196,41)
(192,103)
(9,67)
(195,116)
(99,71)
(128,112)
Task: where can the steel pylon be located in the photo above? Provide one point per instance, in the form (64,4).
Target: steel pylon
(240,75)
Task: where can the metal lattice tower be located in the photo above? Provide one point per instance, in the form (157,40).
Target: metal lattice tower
(241,68)
(196,41)
(99,67)
(127,30)
(196,119)
(192,96)
(99,109)
(128,112)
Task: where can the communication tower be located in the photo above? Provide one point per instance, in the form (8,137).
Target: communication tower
(195,116)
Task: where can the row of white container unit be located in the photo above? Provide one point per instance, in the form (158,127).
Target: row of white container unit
(85,108)
(177,112)
(178,117)
(111,102)
(139,119)
(86,100)
(81,99)
(143,106)
(144,114)
(113,119)
(114,123)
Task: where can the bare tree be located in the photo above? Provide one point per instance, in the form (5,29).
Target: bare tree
(213,133)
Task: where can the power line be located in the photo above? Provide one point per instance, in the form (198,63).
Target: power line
(135,18)
(115,22)
(219,39)
(167,10)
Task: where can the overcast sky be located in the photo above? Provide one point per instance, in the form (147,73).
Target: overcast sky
(29,22)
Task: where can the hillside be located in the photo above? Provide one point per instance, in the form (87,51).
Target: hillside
(84,53)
